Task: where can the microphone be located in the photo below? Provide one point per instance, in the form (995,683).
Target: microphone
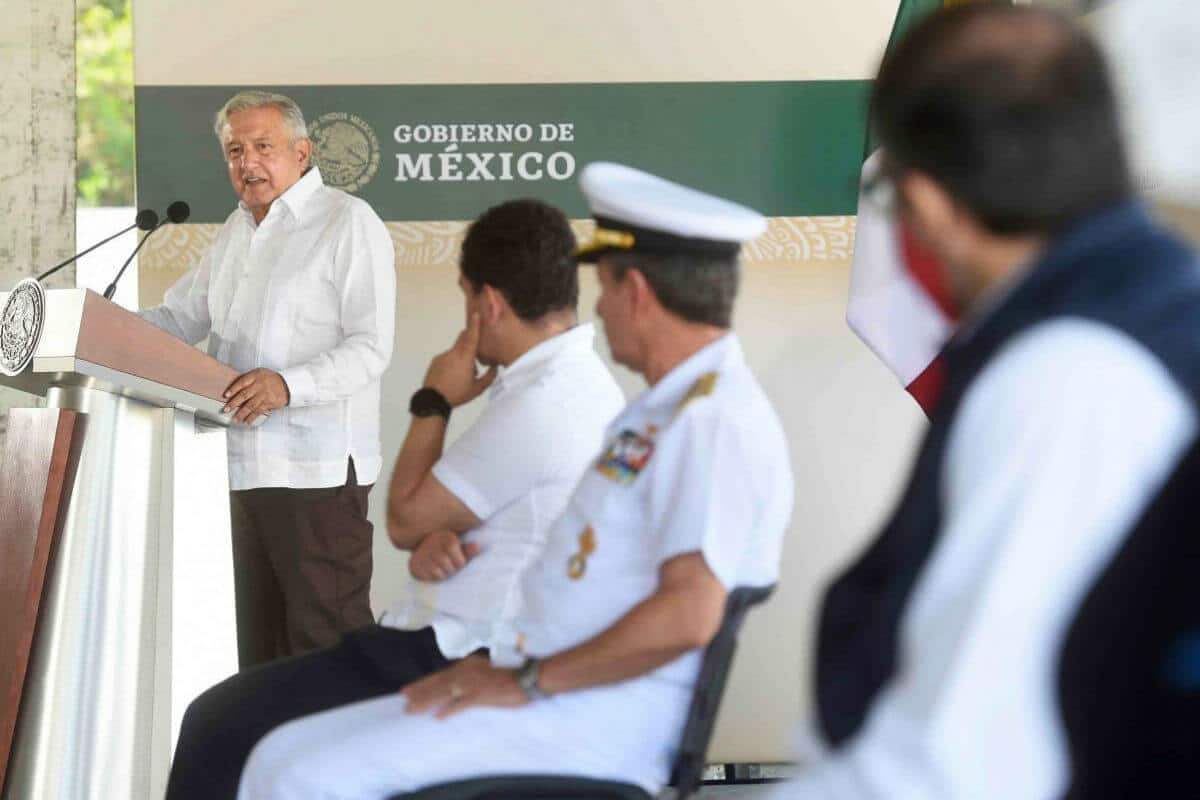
(146,220)
(176,212)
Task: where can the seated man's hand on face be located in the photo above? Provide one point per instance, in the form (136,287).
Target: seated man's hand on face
(440,555)
(256,394)
(470,682)
(453,372)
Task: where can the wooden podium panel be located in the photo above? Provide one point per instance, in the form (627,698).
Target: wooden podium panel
(38,459)
(91,342)
(121,340)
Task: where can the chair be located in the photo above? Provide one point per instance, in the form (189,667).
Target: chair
(689,761)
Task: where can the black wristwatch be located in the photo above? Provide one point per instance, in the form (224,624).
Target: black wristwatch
(527,678)
(428,402)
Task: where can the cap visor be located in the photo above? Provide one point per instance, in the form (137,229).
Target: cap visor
(591,252)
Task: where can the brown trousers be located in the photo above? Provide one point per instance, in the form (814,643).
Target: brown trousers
(301,568)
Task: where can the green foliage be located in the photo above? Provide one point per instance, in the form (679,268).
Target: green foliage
(104,88)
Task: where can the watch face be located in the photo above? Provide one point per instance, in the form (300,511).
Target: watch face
(527,677)
(428,403)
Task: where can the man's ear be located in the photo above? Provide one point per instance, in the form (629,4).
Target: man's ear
(304,148)
(493,306)
(640,293)
(928,208)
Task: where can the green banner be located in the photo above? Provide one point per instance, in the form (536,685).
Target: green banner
(448,152)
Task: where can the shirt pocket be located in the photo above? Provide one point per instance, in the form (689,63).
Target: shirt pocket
(318,308)
(621,538)
(307,289)
(314,433)
(326,416)
(316,317)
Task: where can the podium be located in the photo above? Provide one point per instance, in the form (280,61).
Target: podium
(116,584)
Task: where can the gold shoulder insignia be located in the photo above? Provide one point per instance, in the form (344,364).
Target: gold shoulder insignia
(703,387)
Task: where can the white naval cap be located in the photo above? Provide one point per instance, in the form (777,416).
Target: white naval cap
(637,211)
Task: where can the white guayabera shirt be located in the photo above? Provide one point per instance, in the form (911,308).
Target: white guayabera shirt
(309,293)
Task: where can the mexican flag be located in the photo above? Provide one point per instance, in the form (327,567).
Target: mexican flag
(898,304)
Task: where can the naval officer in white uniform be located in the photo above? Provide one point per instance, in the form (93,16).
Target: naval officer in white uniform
(689,498)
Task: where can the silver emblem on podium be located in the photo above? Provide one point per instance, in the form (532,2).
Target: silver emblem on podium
(21,326)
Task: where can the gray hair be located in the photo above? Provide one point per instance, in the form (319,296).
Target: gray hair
(293,117)
(697,288)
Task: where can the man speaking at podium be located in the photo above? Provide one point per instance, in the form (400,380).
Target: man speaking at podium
(298,294)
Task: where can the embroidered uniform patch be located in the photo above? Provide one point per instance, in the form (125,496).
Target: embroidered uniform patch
(626,457)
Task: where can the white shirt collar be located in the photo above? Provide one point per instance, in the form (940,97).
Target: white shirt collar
(719,355)
(296,197)
(576,339)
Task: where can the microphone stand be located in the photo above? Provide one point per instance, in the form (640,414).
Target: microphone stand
(112,287)
(59,266)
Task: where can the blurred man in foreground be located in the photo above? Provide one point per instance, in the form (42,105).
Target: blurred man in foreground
(1028,623)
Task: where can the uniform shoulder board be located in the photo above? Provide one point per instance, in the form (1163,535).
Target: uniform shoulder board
(703,387)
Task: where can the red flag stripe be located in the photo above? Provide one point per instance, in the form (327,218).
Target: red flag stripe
(927,387)
(927,270)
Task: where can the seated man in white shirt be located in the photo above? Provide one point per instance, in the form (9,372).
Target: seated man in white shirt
(474,516)
(689,499)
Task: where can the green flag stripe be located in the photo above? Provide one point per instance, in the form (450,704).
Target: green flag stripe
(907,15)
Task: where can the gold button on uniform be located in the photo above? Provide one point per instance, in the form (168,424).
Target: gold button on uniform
(577,564)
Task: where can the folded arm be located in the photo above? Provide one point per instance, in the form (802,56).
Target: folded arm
(418,503)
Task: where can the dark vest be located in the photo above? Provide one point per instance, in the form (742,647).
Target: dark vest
(1121,671)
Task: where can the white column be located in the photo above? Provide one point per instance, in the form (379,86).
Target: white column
(37,139)
(37,145)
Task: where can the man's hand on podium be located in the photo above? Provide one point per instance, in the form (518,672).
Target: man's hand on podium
(256,394)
